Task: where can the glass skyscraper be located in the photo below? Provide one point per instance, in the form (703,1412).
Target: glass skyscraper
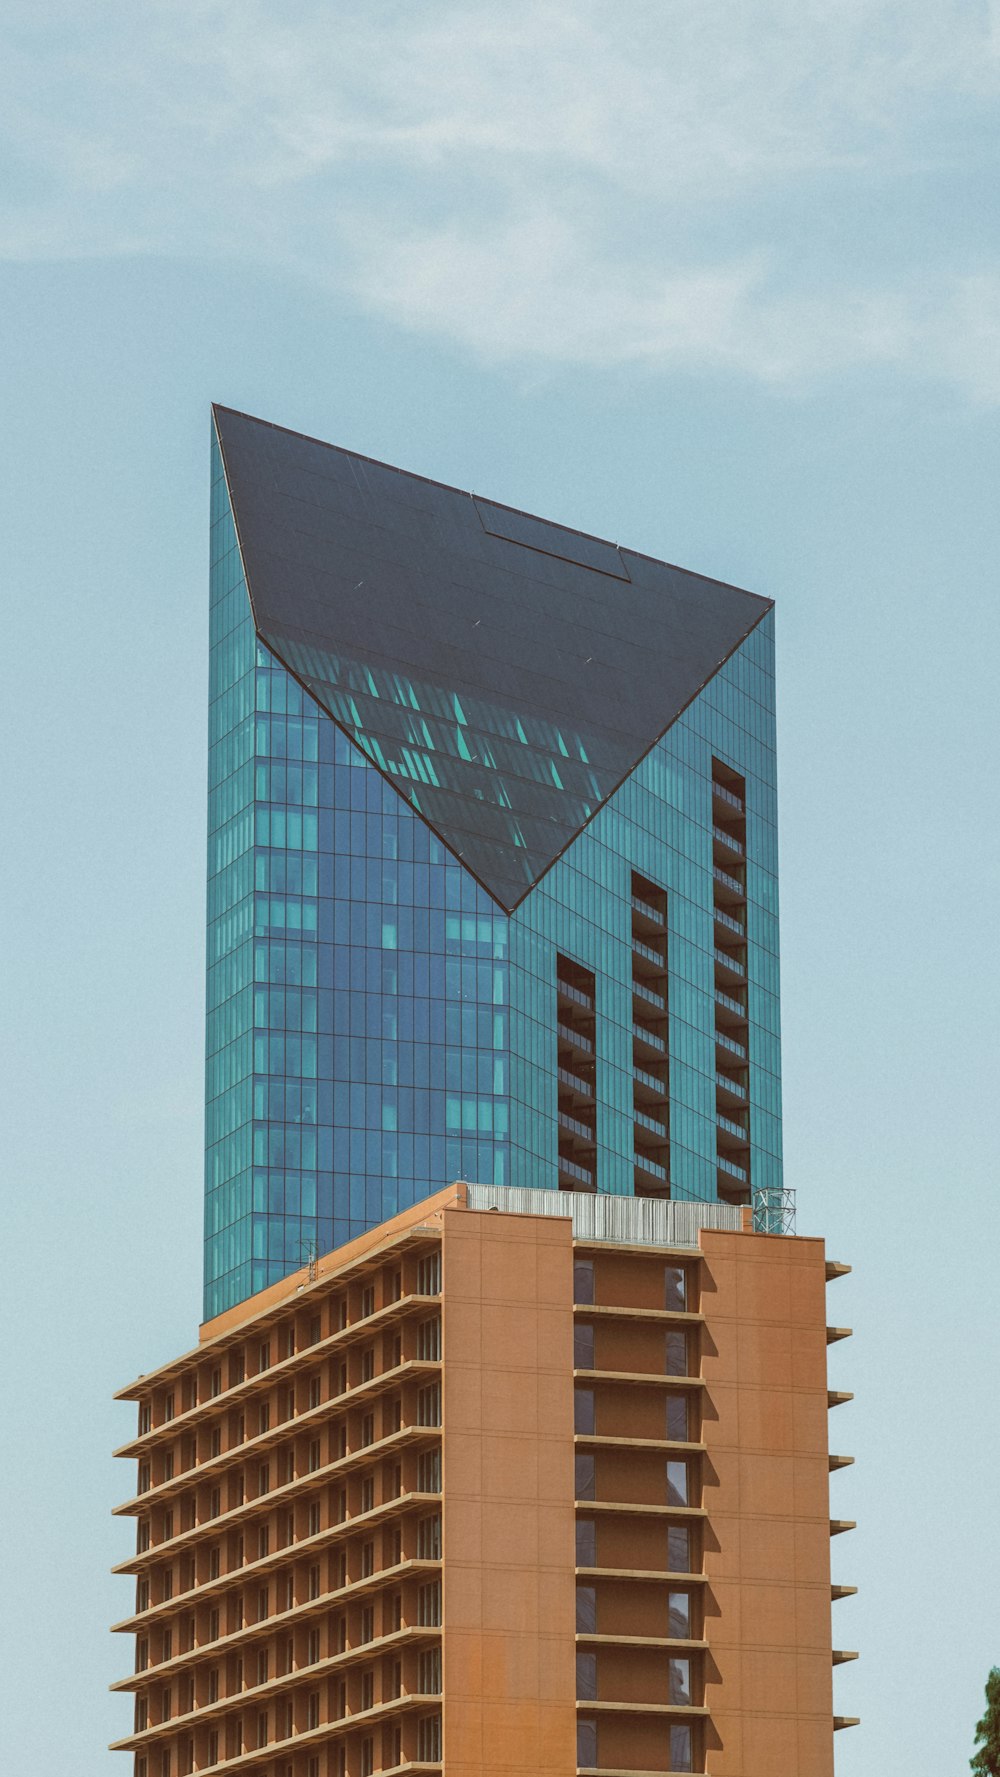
(492,860)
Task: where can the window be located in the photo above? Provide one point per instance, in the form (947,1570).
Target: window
(312,1647)
(675,1288)
(367,1430)
(583,1280)
(213,1625)
(165,1763)
(312,1525)
(429,1672)
(429,1340)
(429,1739)
(679,1615)
(395,1610)
(368,1624)
(367,1690)
(677,1482)
(262,1728)
(429,1405)
(586,1742)
(586,1477)
(166,1706)
(429,1539)
(168,1584)
(315,1456)
(314,1582)
(315,1391)
(141,1715)
(141,1655)
(315,1330)
(145,1419)
(367,1301)
(168,1407)
(428,1606)
(429,1275)
(677,1418)
(264,1355)
(142,1595)
(678,1681)
(583,1347)
(368,1363)
(312,1710)
(142,1536)
(586,1542)
(586,1677)
(367,1755)
(263,1542)
(341,1635)
(215,1385)
(680,1747)
(583,1411)
(263,1478)
(429,1471)
(262,1665)
(679,1549)
(144,1478)
(367,1560)
(676,1354)
(368,1494)
(214,1502)
(586,1610)
(167,1645)
(213,1746)
(215,1441)
(213,1685)
(213,1563)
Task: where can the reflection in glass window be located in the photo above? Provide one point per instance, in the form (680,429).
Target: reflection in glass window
(586,1477)
(583,1348)
(677,1418)
(678,1680)
(586,1542)
(583,1410)
(677,1482)
(675,1288)
(679,1615)
(586,1677)
(676,1354)
(586,1610)
(680,1747)
(586,1742)
(583,1280)
(679,1549)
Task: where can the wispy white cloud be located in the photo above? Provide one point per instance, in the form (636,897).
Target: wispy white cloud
(557,181)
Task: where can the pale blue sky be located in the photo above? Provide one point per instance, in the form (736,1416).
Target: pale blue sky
(720,280)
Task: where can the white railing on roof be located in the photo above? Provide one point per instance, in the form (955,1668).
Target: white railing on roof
(633,1221)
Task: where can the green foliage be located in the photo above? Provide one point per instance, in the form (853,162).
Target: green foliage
(987,1759)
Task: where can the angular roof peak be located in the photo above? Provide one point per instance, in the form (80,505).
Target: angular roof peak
(505,673)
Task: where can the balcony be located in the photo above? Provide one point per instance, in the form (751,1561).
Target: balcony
(729,1004)
(575,1082)
(653,1124)
(649,953)
(580,1174)
(647,911)
(726,1084)
(729,839)
(649,1037)
(724,1041)
(728,797)
(731,884)
(573,1126)
(727,1126)
(726,920)
(576,1037)
(649,996)
(731,1169)
(733,964)
(650,1081)
(567,991)
(644,1163)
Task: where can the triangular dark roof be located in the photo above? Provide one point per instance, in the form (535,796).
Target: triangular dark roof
(506,674)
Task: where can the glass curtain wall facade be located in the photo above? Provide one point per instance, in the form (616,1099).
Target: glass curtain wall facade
(380,1018)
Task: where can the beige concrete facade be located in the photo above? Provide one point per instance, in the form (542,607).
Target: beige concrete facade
(469,1495)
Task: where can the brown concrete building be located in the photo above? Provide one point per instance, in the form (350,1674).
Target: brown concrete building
(537,1491)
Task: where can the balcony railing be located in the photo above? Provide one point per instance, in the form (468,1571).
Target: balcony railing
(727,1042)
(723,918)
(736,1087)
(649,1080)
(730,962)
(572,1170)
(729,839)
(731,1004)
(655,1170)
(649,994)
(648,910)
(576,1037)
(727,796)
(731,1127)
(647,950)
(651,1123)
(575,1126)
(730,1167)
(576,1082)
(649,1036)
(569,992)
(729,882)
